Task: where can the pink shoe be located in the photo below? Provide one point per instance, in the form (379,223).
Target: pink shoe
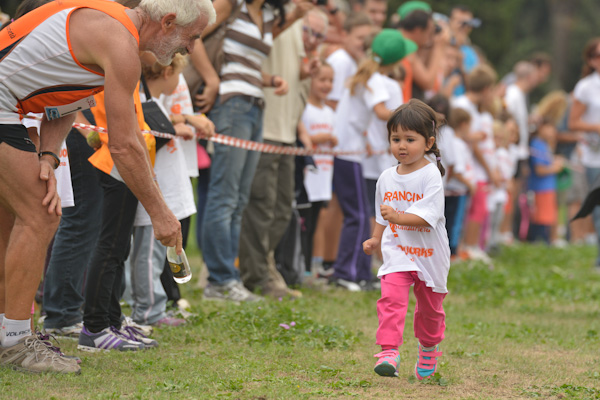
(387,365)
(169,321)
(427,363)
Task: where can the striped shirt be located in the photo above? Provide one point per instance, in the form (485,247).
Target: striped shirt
(245,49)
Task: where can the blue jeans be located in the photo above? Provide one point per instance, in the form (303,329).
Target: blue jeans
(592,174)
(231,174)
(74,241)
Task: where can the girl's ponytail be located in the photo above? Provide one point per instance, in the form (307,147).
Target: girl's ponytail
(438,158)
(364,72)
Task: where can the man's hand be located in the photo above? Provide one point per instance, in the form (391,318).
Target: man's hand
(205,100)
(370,245)
(167,229)
(389,214)
(51,200)
(280,85)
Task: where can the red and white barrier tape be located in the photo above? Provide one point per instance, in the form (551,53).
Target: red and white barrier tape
(239,143)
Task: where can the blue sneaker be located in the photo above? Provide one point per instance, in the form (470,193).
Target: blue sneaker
(387,365)
(106,339)
(428,361)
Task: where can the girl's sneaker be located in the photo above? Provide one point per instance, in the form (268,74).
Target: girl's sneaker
(387,365)
(428,361)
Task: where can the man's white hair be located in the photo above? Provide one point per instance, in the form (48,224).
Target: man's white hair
(523,69)
(187,11)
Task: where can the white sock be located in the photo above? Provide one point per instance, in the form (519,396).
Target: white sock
(14,330)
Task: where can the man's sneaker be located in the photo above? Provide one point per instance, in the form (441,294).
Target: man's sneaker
(233,291)
(387,364)
(145,329)
(428,361)
(67,331)
(348,285)
(370,286)
(131,333)
(32,355)
(106,339)
(46,339)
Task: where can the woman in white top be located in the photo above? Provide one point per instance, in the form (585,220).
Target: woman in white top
(585,116)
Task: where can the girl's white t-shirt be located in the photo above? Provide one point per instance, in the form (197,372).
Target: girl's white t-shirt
(446,145)
(415,248)
(464,166)
(499,195)
(64,186)
(377,134)
(354,113)
(317,182)
(180,102)
(173,180)
(587,92)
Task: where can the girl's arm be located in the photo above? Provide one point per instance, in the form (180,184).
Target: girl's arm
(304,137)
(321,138)
(393,217)
(575,121)
(382,111)
(558,163)
(461,178)
(370,245)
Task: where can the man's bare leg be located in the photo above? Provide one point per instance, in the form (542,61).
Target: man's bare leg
(7,221)
(21,193)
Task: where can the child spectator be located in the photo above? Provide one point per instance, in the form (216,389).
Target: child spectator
(542,181)
(317,120)
(498,197)
(412,235)
(363,101)
(462,184)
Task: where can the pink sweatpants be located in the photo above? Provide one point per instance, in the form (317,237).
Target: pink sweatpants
(429,322)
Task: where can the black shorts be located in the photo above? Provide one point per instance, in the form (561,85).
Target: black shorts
(16,136)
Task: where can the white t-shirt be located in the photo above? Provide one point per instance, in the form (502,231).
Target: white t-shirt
(173,180)
(480,122)
(446,145)
(516,103)
(499,195)
(465,166)
(344,67)
(317,182)
(180,102)
(415,248)
(587,92)
(377,134)
(354,113)
(64,186)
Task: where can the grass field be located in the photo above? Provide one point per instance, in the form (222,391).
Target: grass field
(528,327)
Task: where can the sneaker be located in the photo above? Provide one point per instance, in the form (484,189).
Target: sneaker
(387,365)
(281,292)
(169,321)
(428,361)
(370,286)
(107,339)
(348,285)
(233,291)
(145,329)
(131,333)
(45,338)
(67,331)
(476,254)
(32,355)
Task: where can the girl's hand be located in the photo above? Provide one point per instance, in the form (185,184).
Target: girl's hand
(333,140)
(204,126)
(370,245)
(389,214)
(183,131)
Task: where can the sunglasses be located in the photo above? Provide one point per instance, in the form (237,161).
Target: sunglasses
(317,35)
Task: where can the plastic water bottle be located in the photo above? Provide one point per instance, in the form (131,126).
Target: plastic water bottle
(180,267)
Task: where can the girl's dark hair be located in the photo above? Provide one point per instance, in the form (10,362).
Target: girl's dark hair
(588,52)
(418,117)
(24,8)
(440,104)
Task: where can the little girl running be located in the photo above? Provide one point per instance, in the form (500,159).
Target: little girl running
(411,231)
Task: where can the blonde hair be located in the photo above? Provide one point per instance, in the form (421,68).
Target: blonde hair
(480,78)
(155,70)
(365,70)
(553,106)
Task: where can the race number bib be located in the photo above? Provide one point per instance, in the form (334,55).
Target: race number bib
(56,112)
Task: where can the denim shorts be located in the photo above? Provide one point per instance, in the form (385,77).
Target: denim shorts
(15,135)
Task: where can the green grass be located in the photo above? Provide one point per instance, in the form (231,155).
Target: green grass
(528,327)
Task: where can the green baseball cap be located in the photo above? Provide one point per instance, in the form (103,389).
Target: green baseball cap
(411,6)
(389,46)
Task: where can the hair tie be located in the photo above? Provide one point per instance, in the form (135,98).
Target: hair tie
(433,123)
(438,158)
